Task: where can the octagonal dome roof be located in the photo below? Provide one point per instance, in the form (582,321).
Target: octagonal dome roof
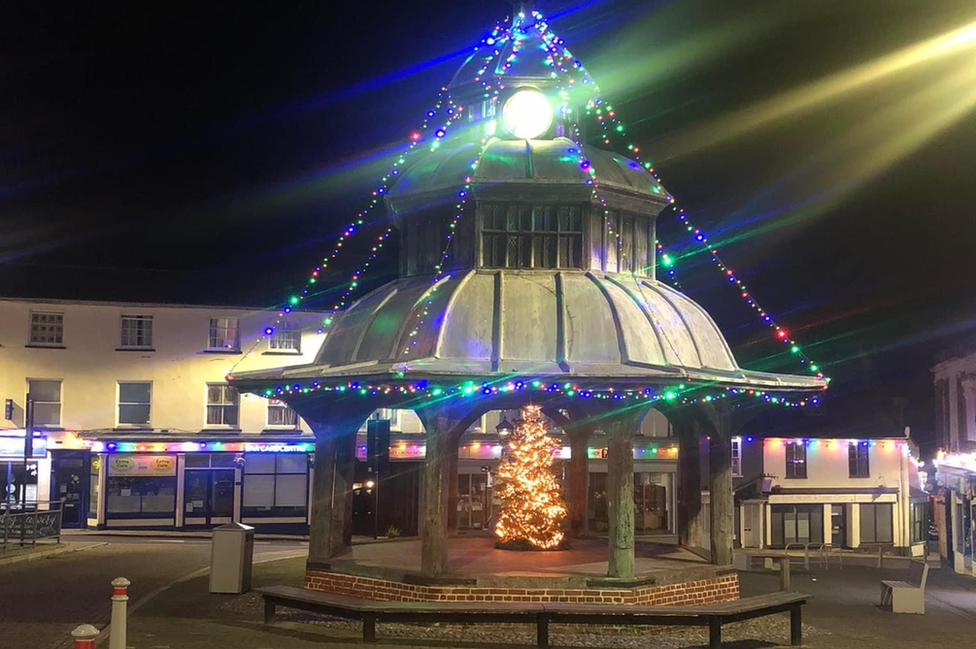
(530,162)
(559,324)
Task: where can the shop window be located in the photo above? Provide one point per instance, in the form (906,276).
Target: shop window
(796,460)
(275,484)
(209,461)
(136,332)
(13,482)
(286,338)
(876,523)
(141,486)
(93,486)
(920,521)
(389,414)
(858,459)
(47,401)
(223,404)
(146,495)
(134,403)
(47,329)
(225,334)
(532,236)
(281,415)
(796,524)
(737,457)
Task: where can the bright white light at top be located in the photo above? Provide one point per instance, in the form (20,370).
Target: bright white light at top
(527,114)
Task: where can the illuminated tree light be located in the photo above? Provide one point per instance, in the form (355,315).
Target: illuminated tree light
(532,507)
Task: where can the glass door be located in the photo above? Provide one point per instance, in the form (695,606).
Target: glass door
(464,502)
(208,496)
(72,487)
(838,525)
(195,498)
(479,501)
(221,501)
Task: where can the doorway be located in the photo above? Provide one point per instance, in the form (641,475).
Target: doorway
(838,525)
(71,475)
(473,501)
(208,497)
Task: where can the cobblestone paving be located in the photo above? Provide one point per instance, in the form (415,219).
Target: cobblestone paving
(843,615)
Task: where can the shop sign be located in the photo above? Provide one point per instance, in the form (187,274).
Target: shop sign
(14,447)
(142,466)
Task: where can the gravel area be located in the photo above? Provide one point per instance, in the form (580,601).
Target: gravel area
(766,631)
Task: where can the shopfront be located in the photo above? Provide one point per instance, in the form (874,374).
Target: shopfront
(477,502)
(187,485)
(30,481)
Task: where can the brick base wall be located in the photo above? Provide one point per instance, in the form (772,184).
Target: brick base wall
(705,591)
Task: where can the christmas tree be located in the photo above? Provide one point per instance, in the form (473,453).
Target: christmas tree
(532,508)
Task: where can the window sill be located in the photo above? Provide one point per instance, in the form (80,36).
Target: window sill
(213,428)
(221,351)
(133,427)
(134,349)
(294,352)
(30,346)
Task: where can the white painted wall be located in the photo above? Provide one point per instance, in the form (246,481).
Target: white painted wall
(180,367)
(827,464)
(828,469)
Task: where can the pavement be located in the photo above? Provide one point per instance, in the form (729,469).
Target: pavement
(41,601)
(170,607)
(44,550)
(844,614)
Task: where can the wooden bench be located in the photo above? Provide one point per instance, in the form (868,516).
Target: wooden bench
(541,614)
(907,596)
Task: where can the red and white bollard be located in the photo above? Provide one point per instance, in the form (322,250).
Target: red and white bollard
(85,636)
(120,599)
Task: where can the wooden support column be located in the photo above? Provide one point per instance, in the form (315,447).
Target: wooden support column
(342,497)
(691,524)
(452,486)
(335,439)
(578,482)
(721,495)
(441,424)
(620,428)
(579,426)
(320,516)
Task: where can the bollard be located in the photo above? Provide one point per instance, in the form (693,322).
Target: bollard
(784,574)
(120,598)
(85,636)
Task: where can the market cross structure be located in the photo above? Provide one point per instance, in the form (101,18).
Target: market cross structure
(526,276)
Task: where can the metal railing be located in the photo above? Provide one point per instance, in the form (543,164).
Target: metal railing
(821,556)
(23,525)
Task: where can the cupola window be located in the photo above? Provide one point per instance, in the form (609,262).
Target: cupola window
(532,236)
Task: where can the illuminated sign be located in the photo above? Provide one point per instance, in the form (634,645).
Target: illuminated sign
(142,466)
(14,447)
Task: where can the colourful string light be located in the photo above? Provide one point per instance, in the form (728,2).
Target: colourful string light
(608,118)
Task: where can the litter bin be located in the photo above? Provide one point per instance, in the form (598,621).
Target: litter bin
(231,553)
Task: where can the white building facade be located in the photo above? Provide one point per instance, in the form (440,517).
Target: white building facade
(845,493)
(954,378)
(128,401)
(136,427)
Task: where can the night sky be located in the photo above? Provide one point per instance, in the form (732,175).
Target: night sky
(208,154)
